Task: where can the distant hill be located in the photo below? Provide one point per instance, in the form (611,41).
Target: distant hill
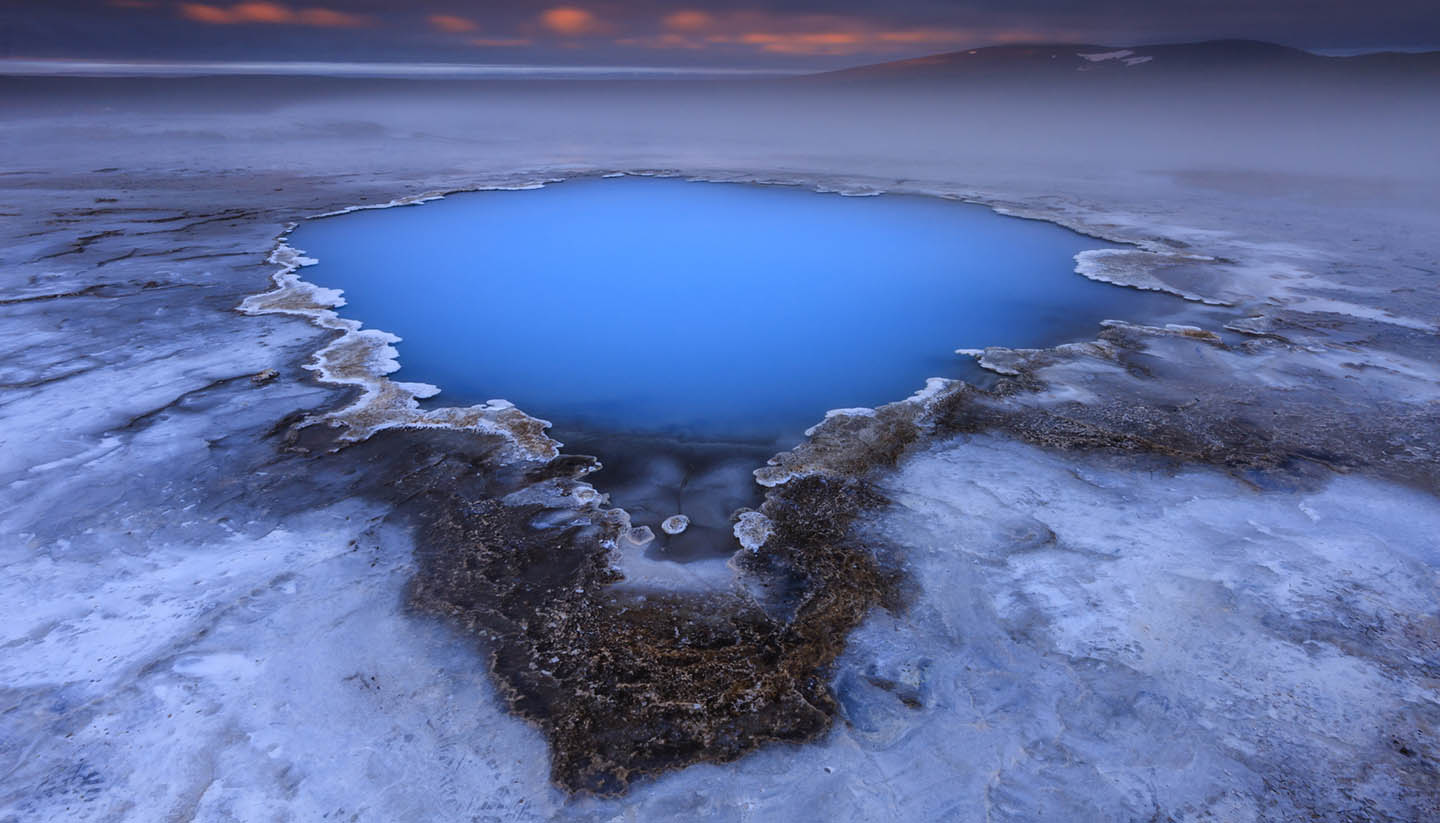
(1082,60)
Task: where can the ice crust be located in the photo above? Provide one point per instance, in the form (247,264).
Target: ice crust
(362,358)
(752,529)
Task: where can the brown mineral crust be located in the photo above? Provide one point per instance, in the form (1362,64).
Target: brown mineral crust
(827,573)
(1241,427)
(625,684)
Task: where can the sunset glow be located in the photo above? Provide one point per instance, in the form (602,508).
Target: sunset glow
(702,32)
(570,21)
(689,20)
(269,13)
(451,23)
(753,31)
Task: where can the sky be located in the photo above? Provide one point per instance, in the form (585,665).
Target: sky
(791,34)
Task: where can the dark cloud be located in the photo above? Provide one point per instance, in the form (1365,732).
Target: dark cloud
(806,32)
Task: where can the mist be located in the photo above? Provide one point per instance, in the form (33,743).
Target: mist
(1372,128)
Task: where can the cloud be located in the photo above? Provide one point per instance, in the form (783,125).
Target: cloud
(795,34)
(570,21)
(240,13)
(846,41)
(687,20)
(452,23)
(826,42)
(928,36)
(269,13)
(329,17)
(827,34)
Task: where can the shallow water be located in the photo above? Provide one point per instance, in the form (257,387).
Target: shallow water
(700,309)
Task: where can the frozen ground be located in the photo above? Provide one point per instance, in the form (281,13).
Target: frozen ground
(1166,575)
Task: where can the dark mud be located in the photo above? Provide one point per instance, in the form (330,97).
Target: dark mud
(626,684)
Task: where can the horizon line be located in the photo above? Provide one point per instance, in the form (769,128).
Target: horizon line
(381,69)
(85,67)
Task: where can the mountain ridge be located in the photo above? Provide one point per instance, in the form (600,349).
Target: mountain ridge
(1081,59)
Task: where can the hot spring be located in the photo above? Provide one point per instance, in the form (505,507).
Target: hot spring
(713,322)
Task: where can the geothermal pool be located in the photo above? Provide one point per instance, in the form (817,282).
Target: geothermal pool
(702,311)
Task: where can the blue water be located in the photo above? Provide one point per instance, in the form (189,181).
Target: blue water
(703,310)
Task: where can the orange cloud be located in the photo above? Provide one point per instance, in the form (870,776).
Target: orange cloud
(858,41)
(829,42)
(238,13)
(947,36)
(569,21)
(328,17)
(811,34)
(452,23)
(799,34)
(687,20)
(205,14)
(271,13)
